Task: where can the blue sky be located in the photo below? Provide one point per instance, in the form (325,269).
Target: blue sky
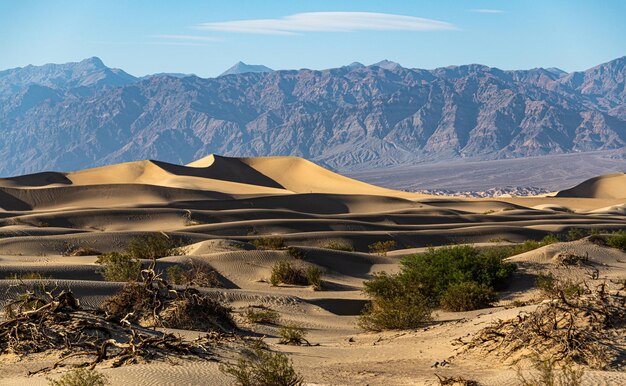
(206,37)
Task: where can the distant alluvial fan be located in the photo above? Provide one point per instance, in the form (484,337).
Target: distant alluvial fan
(78,115)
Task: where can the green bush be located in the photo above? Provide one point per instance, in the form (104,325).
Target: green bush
(382,247)
(259,367)
(617,240)
(467,296)
(80,377)
(118,267)
(434,270)
(263,315)
(292,334)
(552,287)
(338,246)
(276,242)
(295,252)
(575,234)
(314,277)
(153,247)
(395,304)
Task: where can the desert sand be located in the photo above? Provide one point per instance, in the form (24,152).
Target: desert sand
(220,205)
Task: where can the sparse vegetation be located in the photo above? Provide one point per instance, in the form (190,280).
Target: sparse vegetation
(275,242)
(193,275)
(80,377)
(118,267)
(284,272)
(292,334)
(338,246)
(576,234)
(262,315)
(81,251)
(295,252)
(27,276)
(617,240)
(382,247)
(406,299)
(260,367)
(467,296)
(455,381)
(547,373)
(552,287)
(153,247)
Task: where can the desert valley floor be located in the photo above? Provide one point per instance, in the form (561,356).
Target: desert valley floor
(219,206)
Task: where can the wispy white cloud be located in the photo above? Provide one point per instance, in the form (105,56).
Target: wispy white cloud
(329,22)
(188,37)
(486,10)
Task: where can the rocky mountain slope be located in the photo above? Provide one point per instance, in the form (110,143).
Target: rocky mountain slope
(79,115)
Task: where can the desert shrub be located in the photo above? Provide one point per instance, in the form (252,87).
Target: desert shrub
(575,234)
(275,242)
(197,312)
(193,275)
(548,374)
(338,246)
(553,287)
(382,247)
(467,296)
(259,367)
(153,247)
(292,334)
(118,267)
(285,272)
(263,315)
(81,251)
(82,376)
(314,277)
(395,304)
(434,270)
(27,276)
(617,240)
(455,381)
(295,252)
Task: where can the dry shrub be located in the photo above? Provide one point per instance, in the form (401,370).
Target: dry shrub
(81,251)
(193,275)
(552,286)
(27,276)
(455,381)
(261,314)
(285,272)
(153,247)
(292,334)
(581,329)
(118,267)
(547,373)
(80,377)
(382,247)
(567,259)
(275,242)
(259,367)
(339,246)
(193,311)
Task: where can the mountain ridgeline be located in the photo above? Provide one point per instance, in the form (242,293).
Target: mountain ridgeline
(78,115)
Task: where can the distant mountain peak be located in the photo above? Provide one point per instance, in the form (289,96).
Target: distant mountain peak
(355,65)
(388,65)
(242,68)
(95,61)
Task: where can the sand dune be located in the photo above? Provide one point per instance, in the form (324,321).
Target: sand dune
(220,206)
(608,186)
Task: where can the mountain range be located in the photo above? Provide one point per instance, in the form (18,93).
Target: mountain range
(78,115)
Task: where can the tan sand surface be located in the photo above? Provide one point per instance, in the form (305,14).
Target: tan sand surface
(219,206)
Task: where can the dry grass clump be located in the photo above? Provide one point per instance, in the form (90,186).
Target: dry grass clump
(582,329)
(81,251)
(27,276)
(81,377)
(338,246)
(193,275)
(547,373)
(259,367)
(118,267)
(285,272)
(382,247)
(292,334)
(270,243)
(262,315)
